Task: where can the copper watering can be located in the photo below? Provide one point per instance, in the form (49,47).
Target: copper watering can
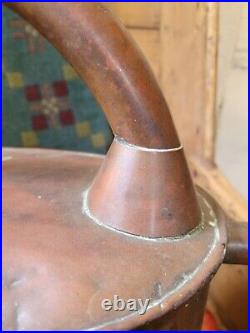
(80,228)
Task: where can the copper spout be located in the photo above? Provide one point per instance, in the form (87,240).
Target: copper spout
(237,244)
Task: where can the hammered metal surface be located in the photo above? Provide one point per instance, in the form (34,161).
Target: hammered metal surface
(74,263)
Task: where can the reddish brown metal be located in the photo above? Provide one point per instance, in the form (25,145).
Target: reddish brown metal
(144,192)
(237,246)
(187,317)
(105,56)
(58,264)
(138,229)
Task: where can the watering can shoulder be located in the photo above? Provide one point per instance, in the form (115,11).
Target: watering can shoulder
(60,264)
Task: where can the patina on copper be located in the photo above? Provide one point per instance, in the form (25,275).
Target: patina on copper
(59,264)
(105,56)
(77,229)
(237,247)
(144,192)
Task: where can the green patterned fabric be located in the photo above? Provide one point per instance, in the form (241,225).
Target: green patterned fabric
(45,104)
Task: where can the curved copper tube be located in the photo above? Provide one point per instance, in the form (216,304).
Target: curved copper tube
(135,186)
(126,194)
(105,56)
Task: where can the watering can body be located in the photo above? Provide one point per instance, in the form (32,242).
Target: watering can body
(80,228)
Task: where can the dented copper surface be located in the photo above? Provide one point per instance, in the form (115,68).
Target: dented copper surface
(59,264)
(78,228)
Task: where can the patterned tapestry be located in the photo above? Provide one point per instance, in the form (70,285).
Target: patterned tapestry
(45,104)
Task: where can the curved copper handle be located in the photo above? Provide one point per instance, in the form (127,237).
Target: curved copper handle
(105,56)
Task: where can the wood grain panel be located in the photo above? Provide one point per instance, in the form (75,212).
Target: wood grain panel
(137,14)
(149,43)
(185,64)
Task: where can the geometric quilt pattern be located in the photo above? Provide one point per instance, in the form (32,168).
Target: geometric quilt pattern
(45,104)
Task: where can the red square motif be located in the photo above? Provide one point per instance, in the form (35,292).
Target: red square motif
(39,122)
(60,88)
(67,117)
(32,92)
